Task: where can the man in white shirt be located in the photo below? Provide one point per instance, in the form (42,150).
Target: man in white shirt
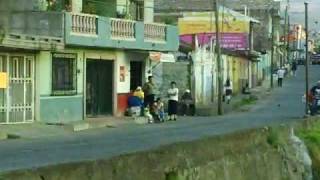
(281,72)
(173,94)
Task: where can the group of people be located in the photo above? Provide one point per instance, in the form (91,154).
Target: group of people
(144,98)
(281,73)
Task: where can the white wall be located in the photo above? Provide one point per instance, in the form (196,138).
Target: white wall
(43,73)
(202,76)
(122,60)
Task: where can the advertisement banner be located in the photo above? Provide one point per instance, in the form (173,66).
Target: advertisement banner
(238,41)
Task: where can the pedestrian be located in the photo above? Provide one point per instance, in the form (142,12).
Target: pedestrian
(228,90)
(294,68)
(173,93)
(315,93)
(246,89)
(139,93)
(187,103)
(149,92)
(135,104)
(281,72)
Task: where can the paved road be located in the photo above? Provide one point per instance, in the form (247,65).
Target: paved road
(283,106)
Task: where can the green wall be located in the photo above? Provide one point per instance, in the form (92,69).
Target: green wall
(61,109)
(57,108)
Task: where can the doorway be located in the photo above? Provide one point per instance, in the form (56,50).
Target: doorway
(136,68)
(17,91)
(99,88)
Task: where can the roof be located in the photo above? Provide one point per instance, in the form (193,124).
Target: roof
(208,5)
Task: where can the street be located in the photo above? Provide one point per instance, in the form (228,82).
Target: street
(284,105)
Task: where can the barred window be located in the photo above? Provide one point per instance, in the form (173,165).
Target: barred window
(64,75)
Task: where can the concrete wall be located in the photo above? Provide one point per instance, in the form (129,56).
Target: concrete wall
(32,23)
(251,155)
(165,73)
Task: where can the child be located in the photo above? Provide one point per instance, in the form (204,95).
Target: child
(148,115)
(158,110)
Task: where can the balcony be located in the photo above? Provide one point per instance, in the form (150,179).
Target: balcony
(32,30)
(103,32)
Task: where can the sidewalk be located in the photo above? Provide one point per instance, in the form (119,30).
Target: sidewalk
(42,130)
(239,102)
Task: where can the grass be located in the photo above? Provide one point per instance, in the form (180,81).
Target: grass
(311,137)
(245,101)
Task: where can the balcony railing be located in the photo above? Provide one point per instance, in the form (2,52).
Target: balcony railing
(155,32)
(84,24)
(123,29)
(97,31)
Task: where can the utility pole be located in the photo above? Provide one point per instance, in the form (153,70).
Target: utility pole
(286,35)
(288,41)
(307,57)
(272,50)
(219,63)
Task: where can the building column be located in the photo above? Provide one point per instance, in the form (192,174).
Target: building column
(76,6)
(148,11)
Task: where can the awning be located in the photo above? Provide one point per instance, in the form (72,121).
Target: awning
(162,57)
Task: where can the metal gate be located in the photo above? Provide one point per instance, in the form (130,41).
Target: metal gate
(17,99)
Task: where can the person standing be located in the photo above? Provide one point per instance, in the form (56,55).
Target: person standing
(294,68)
(187,103)
(173,93)
(281,72)
(149,92)
(228,90)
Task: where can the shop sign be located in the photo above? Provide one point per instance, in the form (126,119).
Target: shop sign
(3,80)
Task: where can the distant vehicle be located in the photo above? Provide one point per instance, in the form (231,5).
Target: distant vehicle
(315,59)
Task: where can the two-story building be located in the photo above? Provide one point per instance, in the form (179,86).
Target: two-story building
(66,60)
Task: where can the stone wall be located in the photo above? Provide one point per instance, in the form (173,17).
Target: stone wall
(165,73)
(255,154)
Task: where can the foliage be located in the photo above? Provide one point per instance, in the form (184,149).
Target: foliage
(311,137)
(274,138)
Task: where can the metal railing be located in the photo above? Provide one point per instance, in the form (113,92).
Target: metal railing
(84,24)
(123,29)
(155,32)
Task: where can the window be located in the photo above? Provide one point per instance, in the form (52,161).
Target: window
(64,78)
(136,10)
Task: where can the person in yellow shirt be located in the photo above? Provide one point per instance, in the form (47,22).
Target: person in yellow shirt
(139,93)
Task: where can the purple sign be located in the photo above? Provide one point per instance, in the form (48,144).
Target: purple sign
(234,41)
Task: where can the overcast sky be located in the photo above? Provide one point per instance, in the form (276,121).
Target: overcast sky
(297,12)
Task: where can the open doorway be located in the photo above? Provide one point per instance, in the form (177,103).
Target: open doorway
(136,68)
(99,88)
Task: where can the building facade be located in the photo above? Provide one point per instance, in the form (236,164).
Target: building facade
(76,59)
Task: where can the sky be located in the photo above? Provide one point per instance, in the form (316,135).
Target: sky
(297,13)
